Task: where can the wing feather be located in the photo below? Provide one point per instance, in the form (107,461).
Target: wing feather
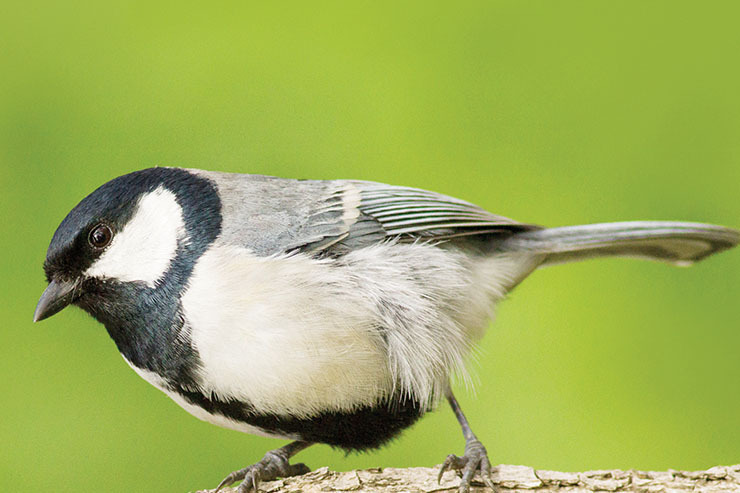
(408,214)
(272,215)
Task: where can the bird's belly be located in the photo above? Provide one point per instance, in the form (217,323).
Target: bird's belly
(267,333)
(210,415)
(363,428)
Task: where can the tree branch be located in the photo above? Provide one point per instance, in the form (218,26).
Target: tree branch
(424,480)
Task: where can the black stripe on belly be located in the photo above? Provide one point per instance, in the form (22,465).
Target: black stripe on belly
(364,428)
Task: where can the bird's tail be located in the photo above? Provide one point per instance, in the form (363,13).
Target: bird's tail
(677,243)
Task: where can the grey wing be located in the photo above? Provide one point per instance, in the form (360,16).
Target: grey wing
(372,212)
(272,215)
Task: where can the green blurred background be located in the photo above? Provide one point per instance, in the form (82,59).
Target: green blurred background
(549,112)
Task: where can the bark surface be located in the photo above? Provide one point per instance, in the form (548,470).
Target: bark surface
(509,478)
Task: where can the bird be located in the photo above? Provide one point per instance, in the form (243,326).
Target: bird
(317,311)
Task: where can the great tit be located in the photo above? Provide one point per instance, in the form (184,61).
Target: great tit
(315,311)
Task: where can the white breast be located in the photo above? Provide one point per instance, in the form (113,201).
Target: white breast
(280,334)
(294,335)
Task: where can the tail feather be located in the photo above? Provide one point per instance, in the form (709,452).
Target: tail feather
(678,243)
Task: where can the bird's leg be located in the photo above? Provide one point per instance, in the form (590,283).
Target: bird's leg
(475,457)
(272,466)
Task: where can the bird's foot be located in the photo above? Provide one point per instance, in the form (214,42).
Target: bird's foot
(475,459)
(272,466)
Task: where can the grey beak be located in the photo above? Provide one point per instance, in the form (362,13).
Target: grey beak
(56,296)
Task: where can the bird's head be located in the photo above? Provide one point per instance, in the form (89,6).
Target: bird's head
(136,231)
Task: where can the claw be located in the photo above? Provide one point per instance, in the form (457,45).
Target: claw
(485,473)
(451,463)
(255,479)
(251,481)
(232,478)
(273,465)
(475,459)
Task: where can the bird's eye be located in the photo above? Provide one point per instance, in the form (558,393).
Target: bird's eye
(100,236)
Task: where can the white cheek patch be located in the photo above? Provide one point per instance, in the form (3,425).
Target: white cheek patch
(143,249)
